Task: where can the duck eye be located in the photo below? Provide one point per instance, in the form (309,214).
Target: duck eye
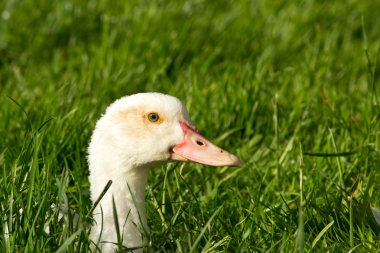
(153,117)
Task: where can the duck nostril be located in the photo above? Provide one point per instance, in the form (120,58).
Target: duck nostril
(200,143)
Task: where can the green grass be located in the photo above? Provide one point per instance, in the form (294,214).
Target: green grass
(291,87)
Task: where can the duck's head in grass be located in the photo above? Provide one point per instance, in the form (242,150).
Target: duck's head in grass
(136,133)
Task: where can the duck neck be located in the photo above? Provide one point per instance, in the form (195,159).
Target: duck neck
(131,189)
(127,195)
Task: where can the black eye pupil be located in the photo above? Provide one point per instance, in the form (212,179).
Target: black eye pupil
(153,117)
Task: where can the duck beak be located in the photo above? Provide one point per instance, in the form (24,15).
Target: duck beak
(196,148)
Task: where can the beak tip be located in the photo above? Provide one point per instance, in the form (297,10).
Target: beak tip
(237,162)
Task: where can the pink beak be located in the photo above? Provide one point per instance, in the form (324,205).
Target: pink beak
(198,149)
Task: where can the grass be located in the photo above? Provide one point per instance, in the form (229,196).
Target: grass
(291,87)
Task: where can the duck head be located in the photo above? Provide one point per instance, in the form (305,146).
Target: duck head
(149,128)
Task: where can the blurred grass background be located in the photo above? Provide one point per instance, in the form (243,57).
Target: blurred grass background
(291,87)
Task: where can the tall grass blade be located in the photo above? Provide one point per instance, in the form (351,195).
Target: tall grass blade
(300,240)
(117,227)
(68,242)
(320,234)
(207,225)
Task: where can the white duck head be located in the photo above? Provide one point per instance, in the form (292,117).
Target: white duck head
(136,133)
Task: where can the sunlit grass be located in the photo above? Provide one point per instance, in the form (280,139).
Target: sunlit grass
(292,88)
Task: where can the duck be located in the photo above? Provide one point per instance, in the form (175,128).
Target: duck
(138,132)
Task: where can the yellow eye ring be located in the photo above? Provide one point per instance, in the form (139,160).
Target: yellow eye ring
(154,118)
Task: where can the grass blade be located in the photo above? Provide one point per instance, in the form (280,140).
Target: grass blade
(117,227)
(300,240)
(68,242)
(320,234)
(195,244)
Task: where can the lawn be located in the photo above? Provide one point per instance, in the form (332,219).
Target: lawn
(291,87)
